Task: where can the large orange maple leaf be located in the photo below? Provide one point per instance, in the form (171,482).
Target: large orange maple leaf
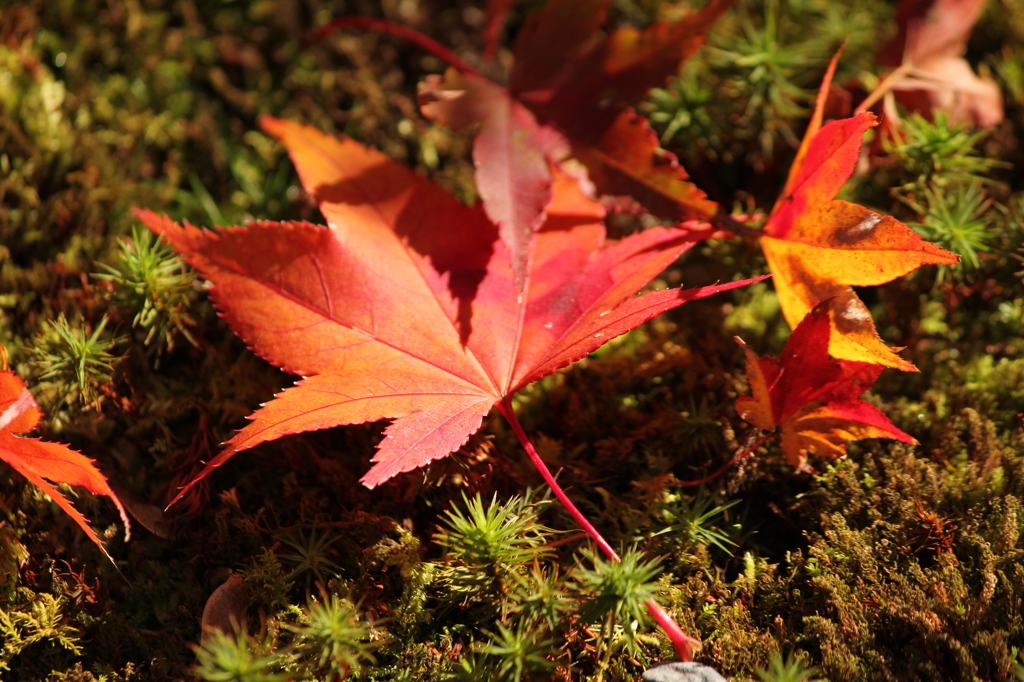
(404,307)
(42,463)
(819,247)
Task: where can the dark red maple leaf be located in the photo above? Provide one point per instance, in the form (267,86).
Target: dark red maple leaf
(585,84)
(570,91)
(569,74)
(814,399)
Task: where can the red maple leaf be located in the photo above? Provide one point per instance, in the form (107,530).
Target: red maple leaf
(584,84)
(404,306)
(579,87)
(813,398)
(42,463)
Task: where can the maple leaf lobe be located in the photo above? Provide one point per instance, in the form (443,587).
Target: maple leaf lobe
(19,412)
(511,152)
(41,462)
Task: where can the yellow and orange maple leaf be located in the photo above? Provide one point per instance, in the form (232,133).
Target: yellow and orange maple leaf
(819,247)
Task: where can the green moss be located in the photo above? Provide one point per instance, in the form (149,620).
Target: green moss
(897,562)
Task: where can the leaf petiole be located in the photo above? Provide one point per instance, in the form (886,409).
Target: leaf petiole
(745,452)
(684,644)
(384,26)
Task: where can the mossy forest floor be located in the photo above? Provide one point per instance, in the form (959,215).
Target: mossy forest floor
(896,563)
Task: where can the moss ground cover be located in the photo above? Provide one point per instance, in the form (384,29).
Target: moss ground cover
(897,562)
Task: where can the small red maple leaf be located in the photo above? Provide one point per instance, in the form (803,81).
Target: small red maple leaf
(42,463)
(814,398)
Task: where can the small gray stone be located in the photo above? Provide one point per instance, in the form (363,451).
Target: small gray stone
(682,672)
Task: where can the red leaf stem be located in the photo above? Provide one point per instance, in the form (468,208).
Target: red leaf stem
(745,452)
(684,644)
(505,407)
(384,26)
